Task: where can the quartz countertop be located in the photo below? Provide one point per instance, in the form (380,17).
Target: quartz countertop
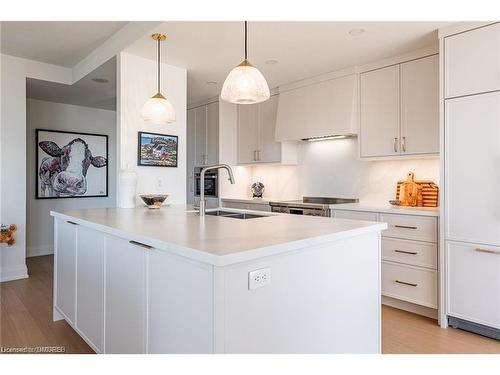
(214,239)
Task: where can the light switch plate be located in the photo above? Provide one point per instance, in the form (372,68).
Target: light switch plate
(259,278)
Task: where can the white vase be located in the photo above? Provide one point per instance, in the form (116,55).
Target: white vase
(127,186)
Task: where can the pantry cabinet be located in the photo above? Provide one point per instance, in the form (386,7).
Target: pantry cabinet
(399,109)
(256,135)
(471,61)
(472,128)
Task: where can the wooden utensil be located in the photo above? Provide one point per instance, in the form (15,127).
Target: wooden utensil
(408,191)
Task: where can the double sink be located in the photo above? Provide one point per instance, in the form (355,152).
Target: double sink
(234,215)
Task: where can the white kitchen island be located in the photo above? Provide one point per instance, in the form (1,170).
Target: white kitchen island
(169,281)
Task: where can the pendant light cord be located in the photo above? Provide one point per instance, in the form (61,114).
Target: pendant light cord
(246,40)
(159,78)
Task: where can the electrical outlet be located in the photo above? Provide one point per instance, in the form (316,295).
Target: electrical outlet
(259,278)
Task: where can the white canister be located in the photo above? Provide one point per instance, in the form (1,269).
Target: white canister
(127,186)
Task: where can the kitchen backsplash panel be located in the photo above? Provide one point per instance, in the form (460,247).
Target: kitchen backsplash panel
(332,168)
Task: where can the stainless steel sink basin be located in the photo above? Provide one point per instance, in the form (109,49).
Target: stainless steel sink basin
(234,215)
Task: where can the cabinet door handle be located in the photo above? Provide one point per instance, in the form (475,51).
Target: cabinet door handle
(488,251)
(395,144)
(403,144)
(254,155)
(405,227)
(406,252)
(140,244)
(258,155)
(405,283)
(72,223)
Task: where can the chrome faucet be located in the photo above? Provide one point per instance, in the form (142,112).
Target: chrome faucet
(202,183)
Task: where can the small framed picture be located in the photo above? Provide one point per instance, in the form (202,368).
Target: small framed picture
(71,165)
(157,150)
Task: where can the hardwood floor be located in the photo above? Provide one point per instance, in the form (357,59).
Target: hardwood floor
(407,333)
(26,312)
(26,321)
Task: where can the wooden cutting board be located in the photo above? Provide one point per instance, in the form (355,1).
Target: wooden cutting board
(408,191)
(427,193)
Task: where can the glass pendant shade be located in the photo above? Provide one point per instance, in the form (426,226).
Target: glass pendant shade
(245,84)
(158,110)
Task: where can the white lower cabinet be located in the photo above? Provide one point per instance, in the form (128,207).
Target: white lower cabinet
(409,250)
(90,287)
(180,311)
(125,296)
(65,269)
(409,283)
(474,282)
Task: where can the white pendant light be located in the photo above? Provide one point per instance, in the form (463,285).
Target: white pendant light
(158,109)
(245,84)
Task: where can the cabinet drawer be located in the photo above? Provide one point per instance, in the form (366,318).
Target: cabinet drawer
(411,284)
(356,215)
(420,228)
(410,252)
(247,206)
(474,283)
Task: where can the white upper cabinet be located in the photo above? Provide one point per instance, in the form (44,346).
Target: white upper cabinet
(472,163)
(212,133)
(472,61)
(379,112)
(399,109)
(420,106)
(318,110)
(256,135)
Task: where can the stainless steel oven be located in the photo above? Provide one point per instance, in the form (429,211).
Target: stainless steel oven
(211,183)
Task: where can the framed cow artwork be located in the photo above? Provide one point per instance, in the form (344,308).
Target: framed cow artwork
(157,150)
(71,165)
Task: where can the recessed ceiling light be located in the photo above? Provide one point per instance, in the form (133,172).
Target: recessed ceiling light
(271,61)
(211,83)
(100,80)
(357,31)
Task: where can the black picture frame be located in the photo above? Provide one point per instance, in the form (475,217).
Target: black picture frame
(37,163)
(140,161)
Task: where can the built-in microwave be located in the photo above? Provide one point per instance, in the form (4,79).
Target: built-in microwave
(211,183)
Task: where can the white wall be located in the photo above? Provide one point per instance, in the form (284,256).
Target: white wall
(14,72)
(137,82)
(57,116)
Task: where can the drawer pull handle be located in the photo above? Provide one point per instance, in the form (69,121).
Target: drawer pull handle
(405,227)
(72,223)
(478,249)
(405,283)
(140,244)
(406,252)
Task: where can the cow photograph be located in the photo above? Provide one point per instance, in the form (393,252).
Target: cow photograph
(157,150)
(71,165)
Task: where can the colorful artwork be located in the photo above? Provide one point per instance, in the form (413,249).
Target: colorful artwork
(71,165)
(157,150)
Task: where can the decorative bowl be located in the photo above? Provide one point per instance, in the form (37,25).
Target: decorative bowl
(153,200)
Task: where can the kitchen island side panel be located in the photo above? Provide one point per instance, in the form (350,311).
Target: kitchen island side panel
(324,299)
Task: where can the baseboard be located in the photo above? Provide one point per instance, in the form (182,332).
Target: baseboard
(37,251)
(411,307)
(13,273)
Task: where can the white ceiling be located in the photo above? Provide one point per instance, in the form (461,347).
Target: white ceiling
(59,43)
(85,92)
(209,50)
